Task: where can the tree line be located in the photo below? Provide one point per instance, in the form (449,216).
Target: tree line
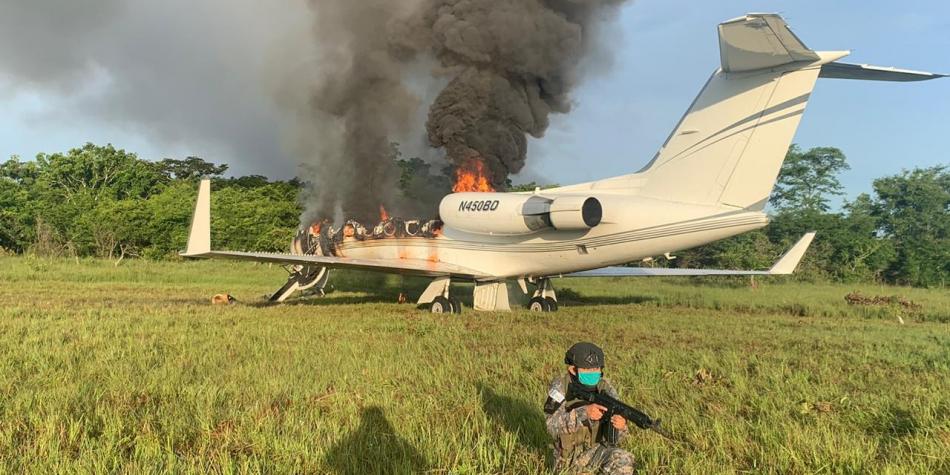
(105,202)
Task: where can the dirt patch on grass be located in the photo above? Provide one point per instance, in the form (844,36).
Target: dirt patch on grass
(856,298)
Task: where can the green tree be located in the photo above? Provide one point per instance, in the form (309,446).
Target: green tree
(263,218)
(249,181)
(96,171)
(913,209)
(17,222)
(531,186)
(169,219)
(22,173)
(190,169)
(421,189)
(808,179)
(846,247)
(14,219)
(751,250)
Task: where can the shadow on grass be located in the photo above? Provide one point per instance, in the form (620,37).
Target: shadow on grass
(367,288)
(374,447)
(358,287)
(517,417)
(354,288)
(570,296)
(893,422)
(330,299)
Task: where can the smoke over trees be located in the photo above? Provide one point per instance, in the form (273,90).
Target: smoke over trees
(317,88)
(191,76)
(358,105)
(515,62)
(506,65)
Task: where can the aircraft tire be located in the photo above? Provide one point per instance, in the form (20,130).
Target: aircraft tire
(456,304)
(538,304)
(441,305)
(551,303)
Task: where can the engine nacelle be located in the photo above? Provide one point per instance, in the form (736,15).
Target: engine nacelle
(517,214)
(575,212)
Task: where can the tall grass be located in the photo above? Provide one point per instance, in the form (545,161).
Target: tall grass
(130,369)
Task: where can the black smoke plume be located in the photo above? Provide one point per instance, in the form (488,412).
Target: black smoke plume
(323,86)
(502,66)
(515,62)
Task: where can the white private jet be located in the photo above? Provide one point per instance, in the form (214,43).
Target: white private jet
(710,180)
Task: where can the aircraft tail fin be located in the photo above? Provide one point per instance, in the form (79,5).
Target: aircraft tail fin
(729,147)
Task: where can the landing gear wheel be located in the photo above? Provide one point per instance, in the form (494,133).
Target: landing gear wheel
(441,305)
(456,304)
(551,303)
(539,304)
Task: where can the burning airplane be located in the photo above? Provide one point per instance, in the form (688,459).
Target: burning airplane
(710,180)
(323,239)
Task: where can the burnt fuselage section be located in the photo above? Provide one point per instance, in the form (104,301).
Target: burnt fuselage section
(324,239)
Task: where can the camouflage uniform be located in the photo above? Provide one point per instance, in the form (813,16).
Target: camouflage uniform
(576,449)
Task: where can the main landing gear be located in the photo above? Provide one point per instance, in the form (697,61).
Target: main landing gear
(542,304)
(543,299)
(489,296)
(446,305)
(438,299)
(303,278)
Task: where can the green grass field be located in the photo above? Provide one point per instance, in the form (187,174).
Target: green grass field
(130,369)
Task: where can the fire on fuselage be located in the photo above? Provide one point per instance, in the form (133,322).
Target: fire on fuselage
(321,238)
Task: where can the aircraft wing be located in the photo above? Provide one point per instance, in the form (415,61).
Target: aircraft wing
(401,266)
(199,247)
(784,266)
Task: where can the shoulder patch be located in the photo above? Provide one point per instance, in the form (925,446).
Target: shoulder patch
(557,390)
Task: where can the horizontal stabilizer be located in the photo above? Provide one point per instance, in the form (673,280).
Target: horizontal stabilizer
(759,41)
(784,266)
(874,73)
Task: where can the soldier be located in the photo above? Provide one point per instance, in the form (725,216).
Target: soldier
(575,425)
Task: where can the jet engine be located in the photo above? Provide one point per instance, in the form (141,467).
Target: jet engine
(517,214)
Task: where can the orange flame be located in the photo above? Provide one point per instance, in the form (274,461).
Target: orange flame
(315,228)
(470,176)
(383,215)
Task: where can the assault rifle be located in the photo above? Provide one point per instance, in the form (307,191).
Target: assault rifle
(608,434)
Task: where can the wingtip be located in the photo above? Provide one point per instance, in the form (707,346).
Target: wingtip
(199,239)
(789,262)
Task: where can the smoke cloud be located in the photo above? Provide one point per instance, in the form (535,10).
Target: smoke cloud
(357,105)
(195,76)
(509,64)
(317,88)
(516,63)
